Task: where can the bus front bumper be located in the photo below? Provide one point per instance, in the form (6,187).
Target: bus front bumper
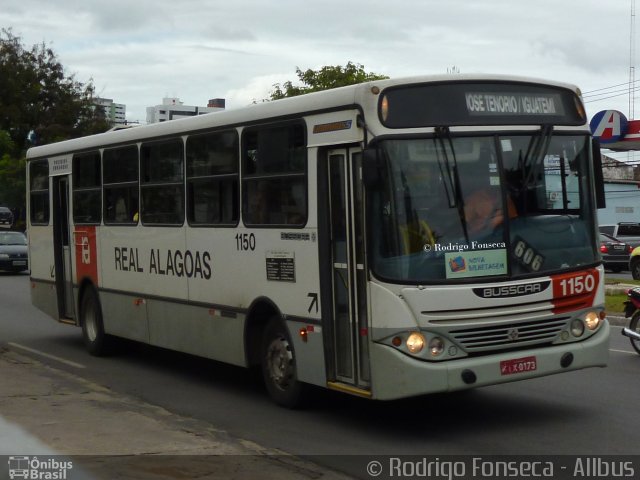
(398,375)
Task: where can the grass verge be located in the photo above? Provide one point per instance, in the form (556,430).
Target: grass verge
(615,303)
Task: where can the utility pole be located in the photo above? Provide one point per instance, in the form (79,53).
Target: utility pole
(632,61)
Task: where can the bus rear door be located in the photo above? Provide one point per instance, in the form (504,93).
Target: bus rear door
(61,245)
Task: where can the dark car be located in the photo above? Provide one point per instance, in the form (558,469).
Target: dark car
(6,216)
(628,232)
(13,252)
(615,254)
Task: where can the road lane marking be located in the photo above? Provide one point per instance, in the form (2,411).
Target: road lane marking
(622,351)
(47,355)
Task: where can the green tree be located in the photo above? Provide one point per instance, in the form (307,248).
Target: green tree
(39,104)
(12,187)
(324,79)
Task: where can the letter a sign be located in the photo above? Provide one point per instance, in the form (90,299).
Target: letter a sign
(609,126)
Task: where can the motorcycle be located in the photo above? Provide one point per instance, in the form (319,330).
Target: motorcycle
(632,309)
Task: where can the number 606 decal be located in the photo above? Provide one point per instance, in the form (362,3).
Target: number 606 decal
(526,255)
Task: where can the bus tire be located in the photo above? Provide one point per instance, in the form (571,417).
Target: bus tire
(96,341)
(278,364)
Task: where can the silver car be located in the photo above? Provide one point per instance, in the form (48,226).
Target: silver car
(13,252)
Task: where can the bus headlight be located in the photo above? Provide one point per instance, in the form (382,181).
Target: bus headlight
(592,320)
(577,327)
(436,346)
(415,342)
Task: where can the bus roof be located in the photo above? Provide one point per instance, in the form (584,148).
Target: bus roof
(287,107)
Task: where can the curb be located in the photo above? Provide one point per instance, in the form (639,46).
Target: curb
(618,319)
(617,288)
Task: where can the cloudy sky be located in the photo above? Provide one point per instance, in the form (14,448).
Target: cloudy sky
(139,51)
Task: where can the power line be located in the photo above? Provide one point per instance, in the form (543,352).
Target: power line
(606,88)
(625,84)
(621,90)
(605,98)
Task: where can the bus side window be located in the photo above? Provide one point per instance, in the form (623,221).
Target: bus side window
(162,188)
(212,178)
(87,185)
(39,192)
(274,175)
(120,185)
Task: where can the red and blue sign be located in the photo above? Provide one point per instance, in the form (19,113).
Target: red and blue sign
(609,126)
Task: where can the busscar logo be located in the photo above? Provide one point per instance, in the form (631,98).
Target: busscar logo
(512,290)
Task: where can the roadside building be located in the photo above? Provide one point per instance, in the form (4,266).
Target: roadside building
(114,112)
(622,192)
(173,108)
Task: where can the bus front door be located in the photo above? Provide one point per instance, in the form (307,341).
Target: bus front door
(350,352)
(61,247)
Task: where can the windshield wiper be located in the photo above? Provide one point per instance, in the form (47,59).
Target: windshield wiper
(452,176)
(449,187)
(536,152)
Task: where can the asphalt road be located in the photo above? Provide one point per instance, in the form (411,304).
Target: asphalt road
(624,275)
(590,412)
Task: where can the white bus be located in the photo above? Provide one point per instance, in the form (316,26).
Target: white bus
(388,239)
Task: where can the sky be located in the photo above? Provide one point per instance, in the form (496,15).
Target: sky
(137,52)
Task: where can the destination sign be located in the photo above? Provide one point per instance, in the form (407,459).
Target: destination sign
(479,103)
(513,104)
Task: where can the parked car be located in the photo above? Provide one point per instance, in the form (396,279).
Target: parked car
(615,253)
(634,263)
(13,252)
(6,216)
(628,232)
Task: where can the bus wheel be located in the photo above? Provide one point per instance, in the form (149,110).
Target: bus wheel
(96,341)
(279,365)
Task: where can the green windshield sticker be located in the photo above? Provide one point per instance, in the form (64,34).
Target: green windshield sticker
(478,263)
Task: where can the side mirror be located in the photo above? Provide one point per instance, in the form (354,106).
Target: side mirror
(597,173)
(371,176)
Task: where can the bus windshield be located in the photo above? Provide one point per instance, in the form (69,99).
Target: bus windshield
(457,208)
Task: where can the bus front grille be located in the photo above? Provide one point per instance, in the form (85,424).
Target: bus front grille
(509,336)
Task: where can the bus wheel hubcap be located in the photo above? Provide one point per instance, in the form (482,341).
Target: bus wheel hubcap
(90,320)
(280,362)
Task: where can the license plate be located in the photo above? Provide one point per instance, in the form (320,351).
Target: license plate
(618,247)
(518,365)
(19,263)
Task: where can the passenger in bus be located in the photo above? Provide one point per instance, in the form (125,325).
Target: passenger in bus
(122,214)
(483,209)
(259,203)
(421,206)
(483,203)
(415,236)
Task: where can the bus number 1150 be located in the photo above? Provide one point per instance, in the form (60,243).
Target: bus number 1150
(245,242)
(577,285)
